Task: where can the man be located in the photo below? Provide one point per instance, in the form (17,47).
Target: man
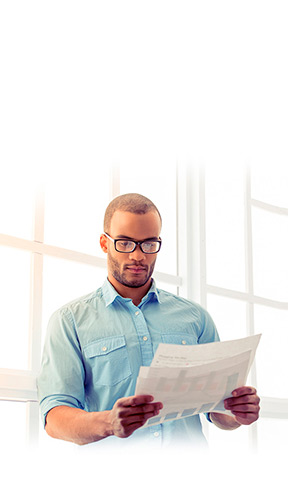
(96,344)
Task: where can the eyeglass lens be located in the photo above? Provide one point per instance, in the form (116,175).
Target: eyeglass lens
(127,246)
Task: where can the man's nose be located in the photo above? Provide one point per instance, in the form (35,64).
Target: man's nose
(137,254)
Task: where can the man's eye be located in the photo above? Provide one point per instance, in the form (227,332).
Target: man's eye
(150,246)
(124,244)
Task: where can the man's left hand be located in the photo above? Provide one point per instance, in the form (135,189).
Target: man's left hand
(244,404)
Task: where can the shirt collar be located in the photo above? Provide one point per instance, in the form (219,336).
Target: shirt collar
(110,294)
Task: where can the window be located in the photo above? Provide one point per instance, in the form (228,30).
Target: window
(213,252)
(15,283)
(240,277)
(246,278)
(225,240)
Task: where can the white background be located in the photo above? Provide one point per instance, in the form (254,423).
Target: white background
(86,84)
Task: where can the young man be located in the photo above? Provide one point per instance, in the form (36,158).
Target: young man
(96,344)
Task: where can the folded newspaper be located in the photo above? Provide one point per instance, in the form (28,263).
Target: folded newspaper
(192,379)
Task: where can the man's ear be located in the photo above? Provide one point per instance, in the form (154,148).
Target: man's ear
(103,243)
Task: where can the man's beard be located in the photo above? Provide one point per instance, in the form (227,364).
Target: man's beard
(123,277)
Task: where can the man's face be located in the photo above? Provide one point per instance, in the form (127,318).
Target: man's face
(133,269)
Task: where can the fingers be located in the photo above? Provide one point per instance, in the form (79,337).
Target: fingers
(134,400)
(244,405)
(244,391)
(131,413)
(140,410)
(249,399)
(137,419)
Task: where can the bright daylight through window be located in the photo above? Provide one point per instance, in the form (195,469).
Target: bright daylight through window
(240,224)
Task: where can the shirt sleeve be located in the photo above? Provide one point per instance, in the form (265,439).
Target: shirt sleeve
(209,331)
(62,375)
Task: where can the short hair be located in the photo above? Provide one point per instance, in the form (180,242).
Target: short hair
(129,202)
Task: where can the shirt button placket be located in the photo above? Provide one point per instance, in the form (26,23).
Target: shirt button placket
(144,337)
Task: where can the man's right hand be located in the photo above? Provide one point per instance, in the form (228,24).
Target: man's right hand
(81,427)
(130,413)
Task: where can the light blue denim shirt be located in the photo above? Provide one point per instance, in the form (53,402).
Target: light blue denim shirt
(96,344)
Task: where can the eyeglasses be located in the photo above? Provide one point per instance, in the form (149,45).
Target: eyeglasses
(128,246)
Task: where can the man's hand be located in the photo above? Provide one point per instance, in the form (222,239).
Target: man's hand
(244,404)
(131,413)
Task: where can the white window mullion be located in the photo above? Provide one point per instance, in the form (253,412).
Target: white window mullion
(274,407)
(253,431)
(35,326)
(183,231)
(269,208)
(17,385)
(190,227)
(32,423)
(202,237)
(249,253)
(36,287)
(246,297)
(52,251)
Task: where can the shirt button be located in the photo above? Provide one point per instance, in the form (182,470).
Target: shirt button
(137,313)
(145,339)
(184,342)
(104,349)
(156,434)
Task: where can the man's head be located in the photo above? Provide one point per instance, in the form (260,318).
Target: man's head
(131,217)
(129,202)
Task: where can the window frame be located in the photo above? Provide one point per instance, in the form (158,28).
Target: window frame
(190,280)
(271,407)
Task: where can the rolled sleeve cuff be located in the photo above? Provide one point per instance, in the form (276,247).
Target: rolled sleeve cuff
(57,401)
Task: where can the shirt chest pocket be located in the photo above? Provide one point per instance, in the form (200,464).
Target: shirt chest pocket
(107,360)
(179,338)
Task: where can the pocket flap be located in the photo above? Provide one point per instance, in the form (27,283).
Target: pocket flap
(103,346)
(179,338)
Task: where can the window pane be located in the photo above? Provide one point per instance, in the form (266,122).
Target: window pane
(15,306)
(272,353)
(75,208)
(156,179)
(167,287)
(229,316)
(225,226)
(64,281)
(269,184)
(272,436)
(270,240)
(13,426)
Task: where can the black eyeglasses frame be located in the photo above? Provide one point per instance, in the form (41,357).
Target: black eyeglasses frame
(115,240)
